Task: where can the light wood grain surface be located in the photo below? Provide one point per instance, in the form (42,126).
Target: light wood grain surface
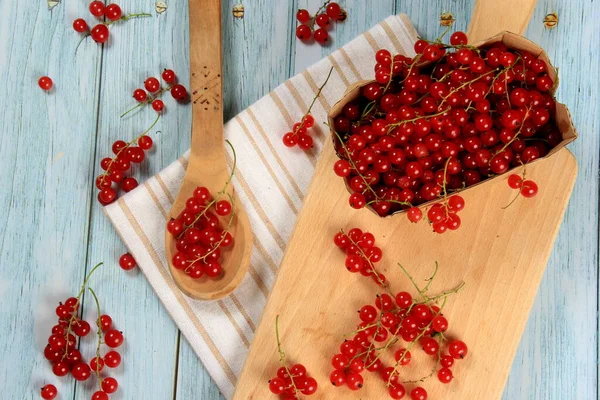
(53,230)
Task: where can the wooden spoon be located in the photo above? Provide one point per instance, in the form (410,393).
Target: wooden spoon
(207,165)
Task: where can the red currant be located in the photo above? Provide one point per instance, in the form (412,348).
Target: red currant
(169,76)
(458,38)
(152,84)
(303,32)
(113,338)
(79,25)
(158,105)
(100,33)
(99,395)
(457,349)
(179,92)
(334,10)
(321,36)
(445,375)
(140,95)
(81,371)
(112,359)
(127,262)
(49,392)
(109,385)
(418,393)
(97,8)
(113,12)
(529,188)
(45,83)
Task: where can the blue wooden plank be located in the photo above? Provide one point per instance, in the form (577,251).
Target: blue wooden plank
(138,49)
(46,147)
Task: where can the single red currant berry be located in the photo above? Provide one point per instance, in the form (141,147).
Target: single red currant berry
(105,322)
(81,371)
(354,381)
(457,349)
(302,15)
(99,395)
(127,262)
(303,32)
(458,38)
(113,338)
(45,83)
(357,200)
(100,33)
(60,368)
(403,355)
(308,121)
(158,105)
(113,12)
(529,188)
(310,386)
(418,393)
(169,76)
(129,184)
(439,324)
(152,84)
(49,392)
(145,142)
(140,95)
(290,140)
(277,385)
(223,208)
(337,378)
(80,25)
(109,385)
(112,359)
(97,364)
(323,20)
(515,181)
(342,168)
(179,92)
(456,203)
(397,391)
(404,299)
(81,328)
(414,214)
(321,36)
(445,375)
(97,8)
(334,10)
(305,142)
(446,361)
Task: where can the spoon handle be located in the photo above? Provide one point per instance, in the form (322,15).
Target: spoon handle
(492,16)
(206,80)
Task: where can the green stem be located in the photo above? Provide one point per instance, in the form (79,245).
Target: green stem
(313,101)
(148,100)
(282,354)
(127,18)
(98,333)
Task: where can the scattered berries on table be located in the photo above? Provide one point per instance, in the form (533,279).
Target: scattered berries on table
(328,13)
(45,83)
(100,32)
(49,392)
(127,262)
(396,323)
(299,135)
(291,381)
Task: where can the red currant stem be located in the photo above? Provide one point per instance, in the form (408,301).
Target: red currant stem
(98,333)
(439,38)
(431,278)
(218,244)
(403,203)
(312,20)
(410,346)
(464,85)
(387,85)
(85,36)
(282,354)
(516,134)
(127,18)
(219,194)
(377,275)
(518,190)
(313,102)
(422,293)
(114,159)
(392,126)
(412,65)
(352,162)
(364,328)
(498,75)
(149,100)
(74,315)
(368,108)
(453,46)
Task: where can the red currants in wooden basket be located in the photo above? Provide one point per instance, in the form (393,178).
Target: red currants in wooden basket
(452,116)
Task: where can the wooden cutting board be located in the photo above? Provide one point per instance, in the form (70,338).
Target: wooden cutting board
(499,254)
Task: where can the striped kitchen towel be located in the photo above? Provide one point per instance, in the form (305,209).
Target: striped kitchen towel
(271,190)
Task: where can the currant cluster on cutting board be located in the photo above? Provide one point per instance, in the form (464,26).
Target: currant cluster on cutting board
(200,238)
(442,121)
(290,382)
(116,167)
(153,86)
(62,352)
(324,18)
(395,324)
(112,14)
(299,135)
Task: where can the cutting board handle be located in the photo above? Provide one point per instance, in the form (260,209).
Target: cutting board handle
(494,16)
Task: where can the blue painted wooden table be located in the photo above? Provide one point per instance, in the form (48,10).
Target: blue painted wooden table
(52,229)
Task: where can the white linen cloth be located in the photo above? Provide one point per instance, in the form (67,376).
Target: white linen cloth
(271,181)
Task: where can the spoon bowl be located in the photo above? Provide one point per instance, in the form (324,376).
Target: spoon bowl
(208,163)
